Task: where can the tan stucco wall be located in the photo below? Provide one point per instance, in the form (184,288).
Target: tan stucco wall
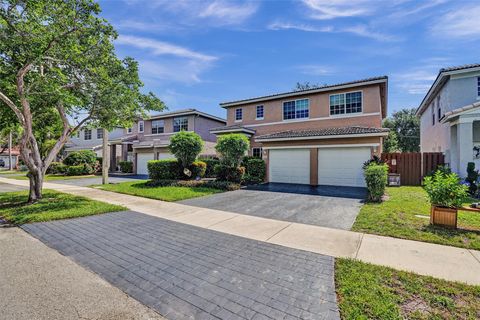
(319,108)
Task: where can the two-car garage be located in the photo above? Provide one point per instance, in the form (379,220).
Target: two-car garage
(144,157)
(338,166)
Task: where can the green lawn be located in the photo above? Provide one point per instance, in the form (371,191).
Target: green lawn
(53,177)
(53,206)
(366,291)
(10,172)
(139,188)
(397,217)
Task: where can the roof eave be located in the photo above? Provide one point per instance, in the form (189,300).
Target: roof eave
(187,113)
(304,92)
(338,136)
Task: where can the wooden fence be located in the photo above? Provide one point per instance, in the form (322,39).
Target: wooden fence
(413,166)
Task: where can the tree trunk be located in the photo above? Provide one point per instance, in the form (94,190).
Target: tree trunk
(36,185)
(10,164)
(105,158)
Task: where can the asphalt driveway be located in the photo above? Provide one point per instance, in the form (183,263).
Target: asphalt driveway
(327,206)
(187,272)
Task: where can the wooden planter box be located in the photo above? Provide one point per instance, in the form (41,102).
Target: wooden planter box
(446,217)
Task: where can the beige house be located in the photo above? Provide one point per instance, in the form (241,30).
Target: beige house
(149,139)
(319,136)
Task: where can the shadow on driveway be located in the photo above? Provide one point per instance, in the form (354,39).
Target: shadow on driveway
(326,191)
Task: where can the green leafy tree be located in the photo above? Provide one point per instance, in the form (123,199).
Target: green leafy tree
(406,126)
(58,68)
(232,148)
(186,146)
(390,144)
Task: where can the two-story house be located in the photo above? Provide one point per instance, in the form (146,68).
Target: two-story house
(450,117)
(319,136)
(91,139)
(149,139)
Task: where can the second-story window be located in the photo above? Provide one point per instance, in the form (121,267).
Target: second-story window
(129,130)
(141,126)
(180,124)
(478,87)
(238,114)
(158,126)
(87,134)
(346,103)
(259,113)
(439,109)
(99,133)
(298,109)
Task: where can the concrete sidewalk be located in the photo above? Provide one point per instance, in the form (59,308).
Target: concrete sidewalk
(37,282)
(450,263)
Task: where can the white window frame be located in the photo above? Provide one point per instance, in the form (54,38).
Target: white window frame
(85,131)
(478,88)
(179,118)
(99,133)
(295,119)
(345,114)
(129,130)
(241,114)
(141,126)
(257,148)
(263,112)
(157,127)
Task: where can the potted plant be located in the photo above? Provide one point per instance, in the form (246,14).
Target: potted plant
(446,195)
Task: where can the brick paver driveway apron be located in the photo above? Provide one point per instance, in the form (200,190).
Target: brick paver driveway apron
(186,272)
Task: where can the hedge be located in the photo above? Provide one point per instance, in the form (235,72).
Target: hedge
(210,170)
(222,185)
(255,170)
(126,166)
(77,158)
(227,173)
(376,176)
(170,169)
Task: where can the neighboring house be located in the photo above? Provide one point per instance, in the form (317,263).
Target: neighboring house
(450,117)
(149,139)
(5,158)
(91,139)
(319,136)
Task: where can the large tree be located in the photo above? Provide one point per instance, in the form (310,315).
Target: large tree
(58,73)
(406,126)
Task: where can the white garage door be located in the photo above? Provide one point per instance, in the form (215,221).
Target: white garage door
(289,166)
(142,159)
(165,155)
(342,166)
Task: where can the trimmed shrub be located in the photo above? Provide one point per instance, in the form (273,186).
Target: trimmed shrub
(445,190)
(79,170)
(210,169)
(167,169)
(126,166)
(232,148)
(472,178)
(227,173)
(198,169)
(56,168)
(81,157)
(376,176)
(255,170)
(186,146)
(222,185)
(375,160)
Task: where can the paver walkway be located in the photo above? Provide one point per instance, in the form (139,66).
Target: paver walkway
(439,261)
(38,283)
(187,272)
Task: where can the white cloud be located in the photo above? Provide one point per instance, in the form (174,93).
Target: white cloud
(331,9)
(417,80)
(302,27)
(460,23)
(163,48)
(315,70)
(188,72)
(229,12)
(359,30)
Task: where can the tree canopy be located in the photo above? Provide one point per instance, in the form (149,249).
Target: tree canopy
(406,126)
(58,73)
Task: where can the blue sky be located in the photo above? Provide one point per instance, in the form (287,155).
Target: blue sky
(200,53)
